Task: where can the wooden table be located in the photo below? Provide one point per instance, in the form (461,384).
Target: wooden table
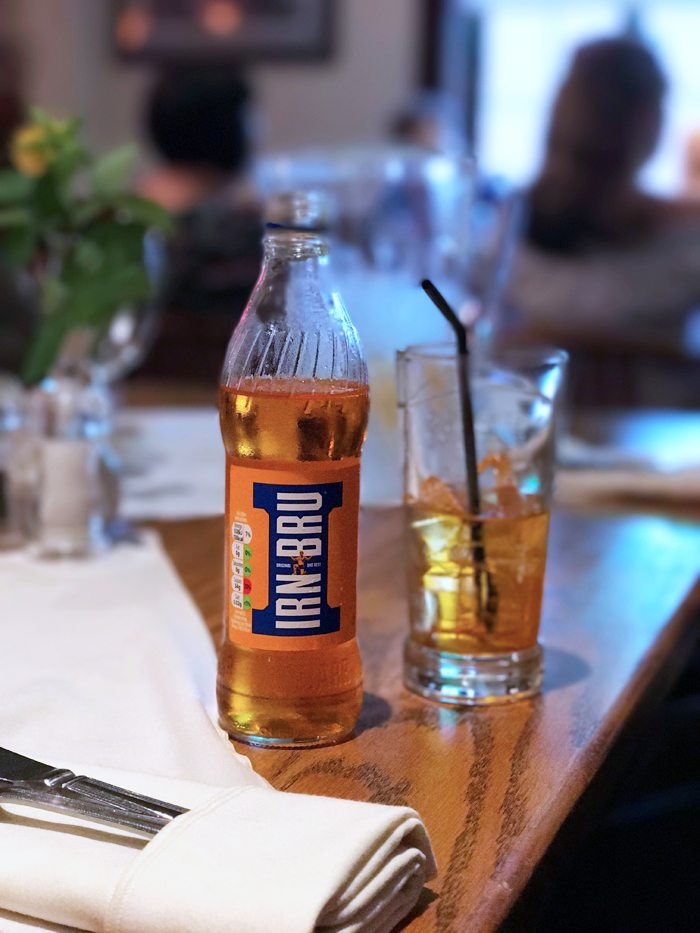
(493,785)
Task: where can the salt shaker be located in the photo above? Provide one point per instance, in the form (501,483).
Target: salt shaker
(69,418)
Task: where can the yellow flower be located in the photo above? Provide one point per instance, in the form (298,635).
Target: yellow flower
(28,150)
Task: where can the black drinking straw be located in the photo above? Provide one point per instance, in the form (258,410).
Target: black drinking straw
(464,394)
(488,596)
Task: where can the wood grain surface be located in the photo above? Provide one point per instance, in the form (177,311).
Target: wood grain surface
(493,785)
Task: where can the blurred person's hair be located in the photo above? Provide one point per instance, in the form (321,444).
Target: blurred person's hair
(197,116)
(604,126)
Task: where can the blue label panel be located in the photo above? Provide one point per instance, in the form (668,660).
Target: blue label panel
(298,559)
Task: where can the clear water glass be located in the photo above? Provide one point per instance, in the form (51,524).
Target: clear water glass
(476,580)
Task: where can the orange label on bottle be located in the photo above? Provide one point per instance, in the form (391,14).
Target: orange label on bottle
(291,553)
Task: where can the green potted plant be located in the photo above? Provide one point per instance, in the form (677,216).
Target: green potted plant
(69,220)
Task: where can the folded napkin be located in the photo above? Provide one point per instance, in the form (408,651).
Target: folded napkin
(171,462)
(575,453)
(658,460)
(107,663)
(579,486)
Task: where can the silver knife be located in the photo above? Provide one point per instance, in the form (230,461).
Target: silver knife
(34,784)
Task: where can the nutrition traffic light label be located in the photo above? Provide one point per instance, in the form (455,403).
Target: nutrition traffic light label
(292,560)
(241,570)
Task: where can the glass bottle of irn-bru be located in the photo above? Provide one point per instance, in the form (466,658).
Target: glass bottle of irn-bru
(294,406)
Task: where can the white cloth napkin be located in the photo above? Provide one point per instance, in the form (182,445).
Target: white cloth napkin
(575,487)
(172,462)
(658,460)
(107,663)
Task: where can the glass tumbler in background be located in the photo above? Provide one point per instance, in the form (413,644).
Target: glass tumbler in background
(475,582)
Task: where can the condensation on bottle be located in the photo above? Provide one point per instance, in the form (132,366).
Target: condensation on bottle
(294,405)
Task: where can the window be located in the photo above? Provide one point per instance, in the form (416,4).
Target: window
(526,48)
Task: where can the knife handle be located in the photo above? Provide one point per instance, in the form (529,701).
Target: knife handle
(64,792)
(118,797)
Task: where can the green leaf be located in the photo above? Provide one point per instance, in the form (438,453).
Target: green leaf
(88,299)
(86,212)
(50,200)
(111,171)
(15,217)
(69,127)
(18,245)
(46,344)
(53,293)
(132,208)
(39,115)
(88,255)
(94,300)
(116,245)
(56,128)
(14,187)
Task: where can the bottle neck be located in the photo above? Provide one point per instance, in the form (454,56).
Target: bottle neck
(295,326)
(283,244)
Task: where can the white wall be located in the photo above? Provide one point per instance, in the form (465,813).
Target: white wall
(71,69)
(354,97)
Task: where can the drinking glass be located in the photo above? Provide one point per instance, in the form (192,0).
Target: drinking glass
(475,581)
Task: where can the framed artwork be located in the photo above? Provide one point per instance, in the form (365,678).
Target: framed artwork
(230,30)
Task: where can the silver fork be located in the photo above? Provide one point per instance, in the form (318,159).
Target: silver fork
(34,784)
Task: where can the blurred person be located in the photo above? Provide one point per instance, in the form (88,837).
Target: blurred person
(600,256)
(432,122)
(197,118)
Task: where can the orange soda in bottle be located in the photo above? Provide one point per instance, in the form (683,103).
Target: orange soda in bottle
(294,404)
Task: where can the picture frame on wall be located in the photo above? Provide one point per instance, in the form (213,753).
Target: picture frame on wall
(177,31)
